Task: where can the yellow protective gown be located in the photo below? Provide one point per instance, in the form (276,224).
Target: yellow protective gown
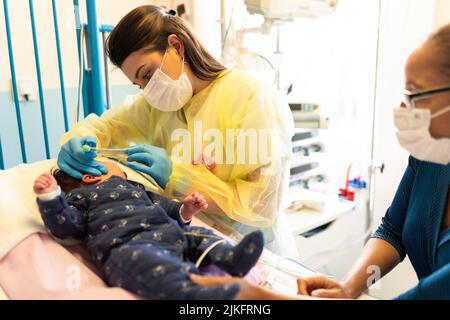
(249,192)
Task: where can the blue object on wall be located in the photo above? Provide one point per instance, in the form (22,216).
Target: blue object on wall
(94,91)
(97,87)
(106,28)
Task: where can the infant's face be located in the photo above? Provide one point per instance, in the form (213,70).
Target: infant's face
(113,170)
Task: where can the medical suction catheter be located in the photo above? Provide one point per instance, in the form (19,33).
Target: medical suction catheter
(118,155)
(106,152)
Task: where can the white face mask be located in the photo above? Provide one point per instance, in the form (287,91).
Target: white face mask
(413,135)
(166,94)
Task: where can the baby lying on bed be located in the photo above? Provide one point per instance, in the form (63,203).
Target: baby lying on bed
(141,241)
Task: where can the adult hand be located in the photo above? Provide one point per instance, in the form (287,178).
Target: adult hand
(322,287)
(151,160)
(74,161)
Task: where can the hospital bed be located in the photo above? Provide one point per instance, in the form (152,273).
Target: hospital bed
(33,266)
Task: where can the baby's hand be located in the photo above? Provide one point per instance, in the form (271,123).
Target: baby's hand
(193,204)
(45,183)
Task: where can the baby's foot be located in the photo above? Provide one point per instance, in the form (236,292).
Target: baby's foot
(238,261)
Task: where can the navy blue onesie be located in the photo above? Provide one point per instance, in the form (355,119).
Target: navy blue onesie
(139,242)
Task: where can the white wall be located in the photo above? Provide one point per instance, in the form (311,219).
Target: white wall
(110,11)
(404,25)
(204,16)
(442,12)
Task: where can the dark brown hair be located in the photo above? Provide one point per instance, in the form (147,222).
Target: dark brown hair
(149,27)
(441,38)
(66,182)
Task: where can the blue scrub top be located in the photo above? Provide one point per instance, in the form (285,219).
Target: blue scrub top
(413,226)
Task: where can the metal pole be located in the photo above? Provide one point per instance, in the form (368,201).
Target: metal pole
(39,77)
(278,52)
(223,20)
(371,210)
(60,65)
(2,162)
(14,81)
(107,83)
(97,84)
(105,29)
(85,95)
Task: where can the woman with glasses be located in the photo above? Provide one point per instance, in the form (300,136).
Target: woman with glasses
(418,222)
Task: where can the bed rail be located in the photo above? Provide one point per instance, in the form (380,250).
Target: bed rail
(96,93)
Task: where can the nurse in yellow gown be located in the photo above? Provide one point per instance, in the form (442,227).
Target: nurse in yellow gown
(191,106)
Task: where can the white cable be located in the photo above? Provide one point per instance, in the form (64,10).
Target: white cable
(294,261)
(224,40)
(201,235)
(81,74)
(205,253)
(270,278)
(212,246)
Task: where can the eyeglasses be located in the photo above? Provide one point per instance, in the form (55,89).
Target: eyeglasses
(410,98)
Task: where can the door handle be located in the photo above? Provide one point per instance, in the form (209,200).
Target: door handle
(378,166)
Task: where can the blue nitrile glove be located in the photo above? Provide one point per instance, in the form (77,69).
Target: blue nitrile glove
(74,161)
(151,160)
